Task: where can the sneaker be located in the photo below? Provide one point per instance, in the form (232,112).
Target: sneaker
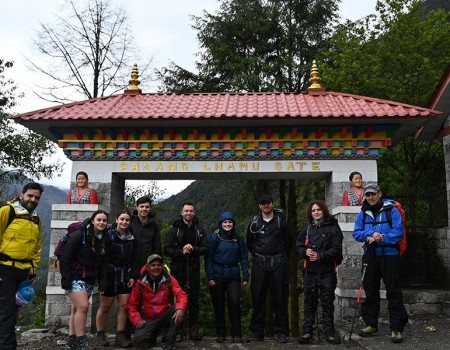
(305,338)
(102,339)
(71,342)
(255,337)
(367,331)
(332,338)
(396,337)
(281,338)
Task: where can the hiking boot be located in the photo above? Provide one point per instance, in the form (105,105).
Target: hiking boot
(83,344)
(220,339)
(368,331)
(332,338)
(396,337)
(121,340)
(102,339)
(71,342)
(237,340)
(255,337)
(305,338)
(194,334)
(281,338)
(170,345)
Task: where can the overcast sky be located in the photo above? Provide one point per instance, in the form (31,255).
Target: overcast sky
(162,30)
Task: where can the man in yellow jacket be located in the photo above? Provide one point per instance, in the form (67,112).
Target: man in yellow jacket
(20,252)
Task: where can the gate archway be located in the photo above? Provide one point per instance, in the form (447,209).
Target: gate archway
(317,134)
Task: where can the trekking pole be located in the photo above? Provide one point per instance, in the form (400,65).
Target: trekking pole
(316,297)
(187,287)
(358,300)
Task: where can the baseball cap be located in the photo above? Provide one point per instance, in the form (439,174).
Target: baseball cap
(267,198)
(371,189)
(154,257)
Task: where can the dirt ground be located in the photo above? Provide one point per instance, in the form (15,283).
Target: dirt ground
(422,332)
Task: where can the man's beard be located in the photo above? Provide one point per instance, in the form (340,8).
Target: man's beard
(28,206)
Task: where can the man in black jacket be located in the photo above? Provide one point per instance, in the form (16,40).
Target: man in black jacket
(145,231)
(269,241)
(185,243)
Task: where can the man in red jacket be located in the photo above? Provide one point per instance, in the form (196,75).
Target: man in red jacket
(151,306)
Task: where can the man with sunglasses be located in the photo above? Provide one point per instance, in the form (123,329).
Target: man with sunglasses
(381,236)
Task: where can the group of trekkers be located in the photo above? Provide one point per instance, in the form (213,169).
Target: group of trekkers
(157,284)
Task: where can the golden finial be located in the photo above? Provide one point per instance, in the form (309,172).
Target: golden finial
(315,87)
(134,81)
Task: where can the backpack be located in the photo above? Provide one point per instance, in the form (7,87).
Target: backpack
(12,216)
(218,240)
(401,246)
(278,212)
(74,226)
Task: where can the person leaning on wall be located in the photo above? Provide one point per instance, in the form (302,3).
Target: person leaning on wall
(82,194)
(355,195)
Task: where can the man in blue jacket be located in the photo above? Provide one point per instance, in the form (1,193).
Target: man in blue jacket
(379,225)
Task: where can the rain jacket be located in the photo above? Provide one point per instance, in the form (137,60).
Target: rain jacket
(21,240)
(144,302)
(391,236)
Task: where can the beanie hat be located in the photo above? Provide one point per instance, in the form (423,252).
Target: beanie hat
(226,215)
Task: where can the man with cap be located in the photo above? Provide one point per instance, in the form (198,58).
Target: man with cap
(151,306)
(269,241)
(379,225)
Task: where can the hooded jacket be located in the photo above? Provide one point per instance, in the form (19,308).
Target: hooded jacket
(369,223)
(21,240)
(326,238)
(227,256)
(82,256)
(144,302)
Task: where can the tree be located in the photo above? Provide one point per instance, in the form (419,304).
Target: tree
(132,193)
(89,50)
(22,152)
(399,54)
(255,45)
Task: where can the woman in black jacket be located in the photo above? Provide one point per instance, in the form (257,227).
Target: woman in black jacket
(80,262)
(119,272)
(319,244)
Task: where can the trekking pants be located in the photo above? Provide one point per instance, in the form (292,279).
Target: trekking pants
(269,272)
(385,267)
(11,277)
